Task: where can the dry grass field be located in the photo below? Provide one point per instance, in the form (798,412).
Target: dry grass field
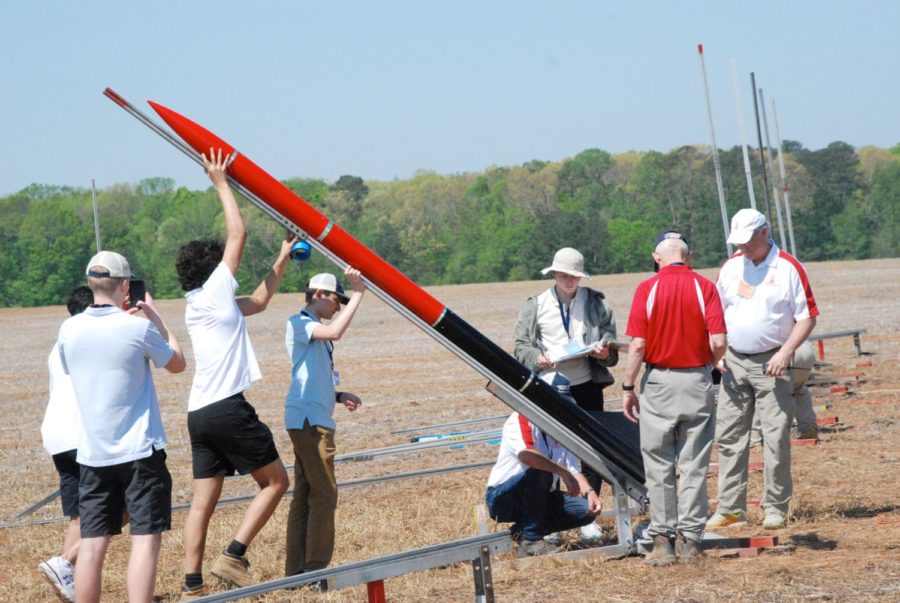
(844,535)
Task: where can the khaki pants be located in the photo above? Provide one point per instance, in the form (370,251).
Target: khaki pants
(803,362)
(804,359)
(677,422)
(310,523)
(746,389)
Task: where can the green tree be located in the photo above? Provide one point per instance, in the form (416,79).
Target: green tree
(835,171)
(630,245)
(882,206)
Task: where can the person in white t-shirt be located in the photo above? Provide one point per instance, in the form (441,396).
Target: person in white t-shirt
(523,487)
(107,353)
(226,434)
(60,432)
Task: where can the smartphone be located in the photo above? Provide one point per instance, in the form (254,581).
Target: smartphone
(137,291)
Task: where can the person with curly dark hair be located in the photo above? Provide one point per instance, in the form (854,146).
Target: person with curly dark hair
(226,433)
(196,261)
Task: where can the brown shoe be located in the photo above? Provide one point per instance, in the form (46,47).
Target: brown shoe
(689,551)
(663,552)
(233,570)
(810,434)
(188,594)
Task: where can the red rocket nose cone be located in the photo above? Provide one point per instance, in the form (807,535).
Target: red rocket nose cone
(198,137)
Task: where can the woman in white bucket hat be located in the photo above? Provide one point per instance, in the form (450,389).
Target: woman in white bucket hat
(567,314)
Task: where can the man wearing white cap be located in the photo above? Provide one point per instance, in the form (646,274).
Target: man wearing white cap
(769,311)
(107,353)
(567,314)
(309,416)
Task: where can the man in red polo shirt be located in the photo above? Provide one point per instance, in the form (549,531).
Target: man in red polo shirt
(678,329)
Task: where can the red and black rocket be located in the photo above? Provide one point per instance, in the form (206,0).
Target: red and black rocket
(622,451)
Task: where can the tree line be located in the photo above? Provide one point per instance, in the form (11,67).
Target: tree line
(498,225)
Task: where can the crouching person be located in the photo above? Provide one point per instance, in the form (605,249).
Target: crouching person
(523,487)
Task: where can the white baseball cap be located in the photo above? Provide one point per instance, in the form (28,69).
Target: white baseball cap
(568,261)
(115,265)
(744,224)
(328,282)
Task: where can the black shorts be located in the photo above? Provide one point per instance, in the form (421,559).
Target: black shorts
(227,436)
(143,488)
(69,475)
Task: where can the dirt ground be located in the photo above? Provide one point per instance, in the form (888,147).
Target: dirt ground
(844,536)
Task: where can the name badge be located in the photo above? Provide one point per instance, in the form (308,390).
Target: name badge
(335,378)
(746,290)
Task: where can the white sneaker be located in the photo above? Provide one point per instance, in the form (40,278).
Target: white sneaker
(590,534)
(773,521)
(556,538)
(59,573)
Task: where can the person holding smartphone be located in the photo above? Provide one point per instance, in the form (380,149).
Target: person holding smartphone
(107,352)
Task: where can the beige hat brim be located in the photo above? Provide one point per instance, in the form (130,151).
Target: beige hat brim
(569,271)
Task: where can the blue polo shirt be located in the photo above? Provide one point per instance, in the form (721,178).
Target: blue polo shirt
(311,395)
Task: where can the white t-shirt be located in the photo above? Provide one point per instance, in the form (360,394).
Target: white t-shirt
(226,364)
(107,353)
(519,434)
(555,336)
(763,302)
(62,420)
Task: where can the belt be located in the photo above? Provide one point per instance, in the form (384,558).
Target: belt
(679,368)
(775,349)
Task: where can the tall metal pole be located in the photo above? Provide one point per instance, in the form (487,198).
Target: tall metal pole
(762,157)
(784,182)
(740,114)
(771,168)
(715,152)
(96,214)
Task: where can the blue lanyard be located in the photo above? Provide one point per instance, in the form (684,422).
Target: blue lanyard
(329,346)
(565,315)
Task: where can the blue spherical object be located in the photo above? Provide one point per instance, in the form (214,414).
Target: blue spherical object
(301,251)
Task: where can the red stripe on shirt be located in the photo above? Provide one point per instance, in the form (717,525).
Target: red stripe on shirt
(807,289)
(527,436)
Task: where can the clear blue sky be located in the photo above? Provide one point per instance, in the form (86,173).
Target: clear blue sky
(382,89)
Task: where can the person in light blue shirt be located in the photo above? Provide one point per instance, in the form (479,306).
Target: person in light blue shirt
(309,416)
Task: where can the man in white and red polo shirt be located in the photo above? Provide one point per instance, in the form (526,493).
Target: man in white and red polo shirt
(677,328)
(524,487)
(769,312)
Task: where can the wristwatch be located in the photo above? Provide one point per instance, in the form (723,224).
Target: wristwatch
(627,388)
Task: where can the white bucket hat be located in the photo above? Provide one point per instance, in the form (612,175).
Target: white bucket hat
(568,261)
